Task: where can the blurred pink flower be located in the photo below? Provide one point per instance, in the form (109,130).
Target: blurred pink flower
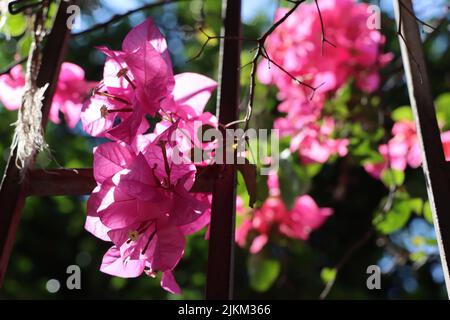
(305,217)
(297,46)
(314,142)
(273,215)
(446,144)
(402,150)
(351,51)
(71,91)
(11,88)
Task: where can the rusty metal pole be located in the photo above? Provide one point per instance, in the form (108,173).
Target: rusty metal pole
(219,283)
(435,168)
(13,188)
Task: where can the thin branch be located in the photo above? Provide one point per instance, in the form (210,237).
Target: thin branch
(119,17)
(262,52)
(103,25)
(400,34)
(353,249)
(264,55)
(387,206)
(324,39)
(281,21)
(210,38)
(415,17)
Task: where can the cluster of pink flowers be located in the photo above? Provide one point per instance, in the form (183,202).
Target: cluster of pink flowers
(142,201)
(273,216)
(352,50)
(71,91)
(403,150)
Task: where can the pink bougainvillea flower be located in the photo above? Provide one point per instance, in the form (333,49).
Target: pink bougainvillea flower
(305,217)
(157,244)
(352,50)
(169,283)
(110,158)
(115,120)
(113,111)
(314,142)
(189,95)
(137,81)
(148,61)
(203,220)
(186,105)
(70,94)
(273,216)
(394,156)
(445,137)
(11,88)
(299,113)
(71,91)
(402,150)
(143,205)
(355,50)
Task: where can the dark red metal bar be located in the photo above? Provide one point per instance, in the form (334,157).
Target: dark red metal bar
(219,283)
(12,189)
(58,182)
(74,182)
(435,167)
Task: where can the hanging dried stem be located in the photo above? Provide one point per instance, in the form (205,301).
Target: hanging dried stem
(28,135)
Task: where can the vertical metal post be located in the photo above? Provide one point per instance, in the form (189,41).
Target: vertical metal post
(12,189)
(221,243)
(435,167)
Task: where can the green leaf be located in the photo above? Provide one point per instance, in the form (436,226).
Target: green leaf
(328,274)
(51,15)
(393,177)
(249,174)
(24,45)
(402,113)
(118,283)
(313,169)
(294,180)
(262,272)
(416,205)
(394,219)
(427,214)
(442,104)
(16,24)
(418,256)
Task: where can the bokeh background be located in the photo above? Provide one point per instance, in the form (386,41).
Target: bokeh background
(51,235)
